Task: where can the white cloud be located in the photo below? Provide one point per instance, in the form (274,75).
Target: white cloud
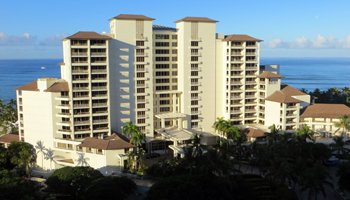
(275,43)
(319,42)
(346,42)
(27,39)
(17,40)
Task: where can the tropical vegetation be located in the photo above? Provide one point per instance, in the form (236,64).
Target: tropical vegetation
(8,117)
(137,138)
(332,95)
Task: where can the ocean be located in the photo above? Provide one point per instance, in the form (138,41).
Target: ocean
(307,73)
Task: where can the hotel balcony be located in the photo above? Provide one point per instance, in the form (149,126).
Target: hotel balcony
(250,110)
(251,53)
(79,54)
(82,130)
(250,82)
(236,83)
(99,105)
(63,106)
(99,87)
(65,115)
(196,68)
(291,107)
(64,131)
(98,71)
(250,88)
(143,54)
(235,69)
(64,123)
(100,129)
(98,54)
(78,44)
(98,63)
(97,45)
(98,80)
(81,88)
(100,121)
(250,96)
(236,53)
(80,71)
(195,84)
(196,54)
(143,47)
(196,98)
(250,102)
(81,105)
(86,122)
(236,97)
(81,114)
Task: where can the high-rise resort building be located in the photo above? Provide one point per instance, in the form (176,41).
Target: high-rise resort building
(171,82)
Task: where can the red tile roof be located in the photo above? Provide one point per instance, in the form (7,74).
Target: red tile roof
(326,111)
(58,87)
(291,91)
(8,138)
(254,132)
(32,86)
(133,17)
(112,142)
(241,38)
(85,35)
(281,97)
(267,74)
(197,19)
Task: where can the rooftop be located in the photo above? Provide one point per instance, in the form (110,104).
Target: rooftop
(32,86)
(133,17)
(267,74)
(254,132)
(241,38)
(8,138)
(59,86)
(173,133)
(282,97)
(326,111)
(113,142)
(86,35)
(291,91)
(196,19)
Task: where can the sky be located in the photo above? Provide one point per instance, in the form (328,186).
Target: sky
(290,28)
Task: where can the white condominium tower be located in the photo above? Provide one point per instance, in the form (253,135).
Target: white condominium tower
(171,82)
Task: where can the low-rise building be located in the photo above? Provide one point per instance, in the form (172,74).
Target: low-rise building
(322,117)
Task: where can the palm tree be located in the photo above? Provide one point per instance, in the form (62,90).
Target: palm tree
(303,133)
(272,136)
(41,149)
(82,160)
(233,133)
(129,129)
(220,125)
(343,123)
(136,138)
(49,155)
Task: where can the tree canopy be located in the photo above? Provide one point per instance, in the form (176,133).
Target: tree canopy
(71,180)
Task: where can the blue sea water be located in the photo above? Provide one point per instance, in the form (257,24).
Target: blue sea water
(15,73)
(312,73)
(307,73)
